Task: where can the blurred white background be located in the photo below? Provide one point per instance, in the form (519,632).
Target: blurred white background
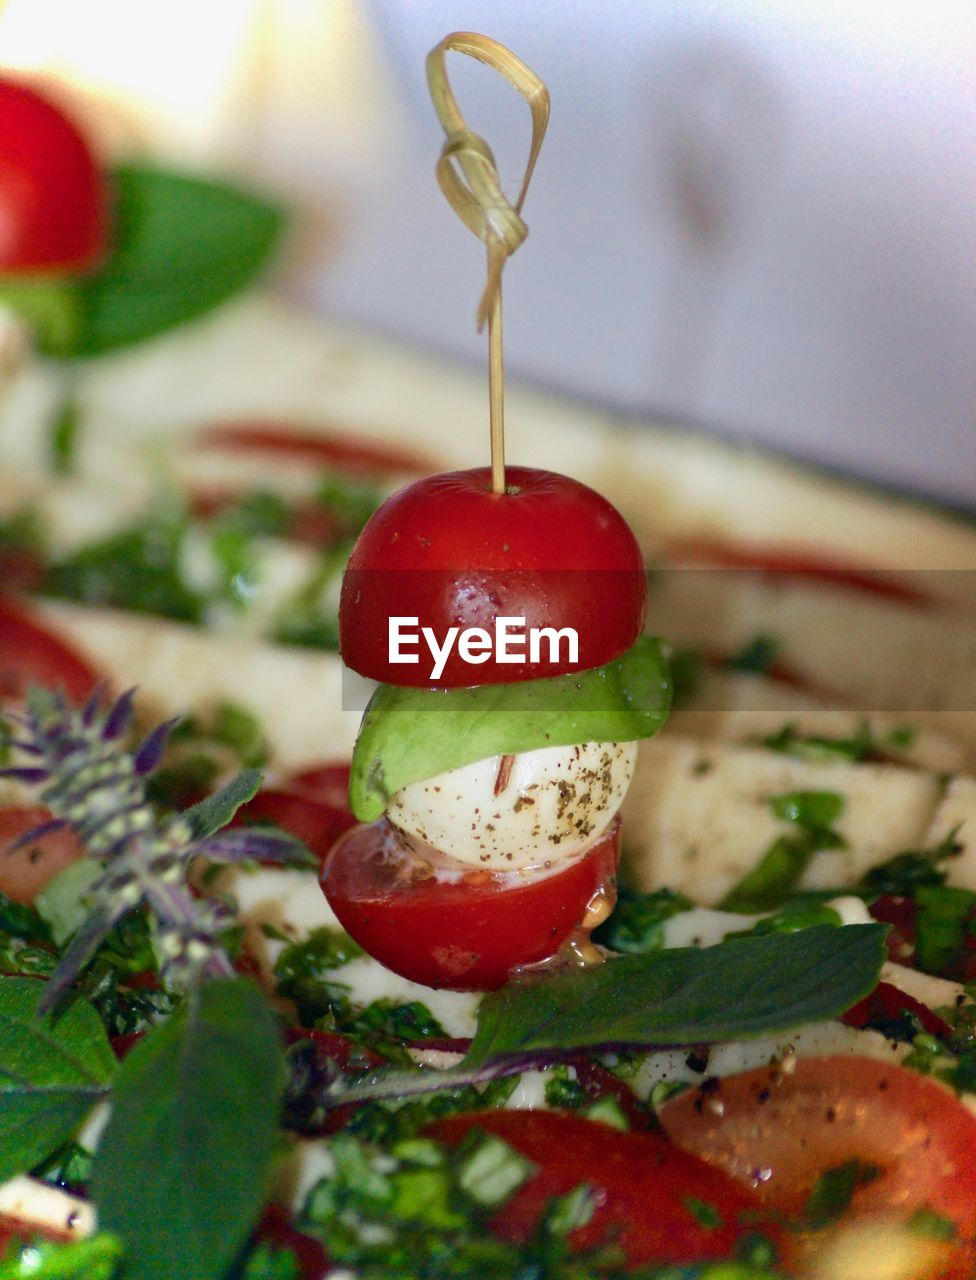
(753,214)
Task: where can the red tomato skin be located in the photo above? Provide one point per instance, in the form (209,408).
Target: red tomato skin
(317,824)
(449,552)
(327,782)
(25,871)
(467,936)
(30,654)
(777,1132)
(641,1182)
(53,195)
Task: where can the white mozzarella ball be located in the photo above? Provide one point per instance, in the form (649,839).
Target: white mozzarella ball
(512,813)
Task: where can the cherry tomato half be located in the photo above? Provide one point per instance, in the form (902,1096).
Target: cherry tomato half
(25,871)
(778,1132)
(653,1200)
(449,552)
(467,935)
(29,654)
(53,196)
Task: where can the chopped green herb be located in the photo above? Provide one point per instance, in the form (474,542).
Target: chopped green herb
(926,1222)
(834,1190)
(945,928)
(758,657)
(350,502)
(64,437)
(903,874)
(705,1214)
(637,921)
(687,666)
(813,812)
(789,741)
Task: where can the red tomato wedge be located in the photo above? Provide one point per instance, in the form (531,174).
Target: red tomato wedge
(652,1199)
(777,1132)
(468,934)
(53,195)
(25,871)
(346,451)
(453,556)
(29,654)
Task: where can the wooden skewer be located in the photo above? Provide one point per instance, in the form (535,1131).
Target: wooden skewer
(468,177)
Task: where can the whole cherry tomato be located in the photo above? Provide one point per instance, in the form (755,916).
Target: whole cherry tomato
(453,554)
(777,1132)
(29,653)
(466,933)
(53,194)
(653,1200)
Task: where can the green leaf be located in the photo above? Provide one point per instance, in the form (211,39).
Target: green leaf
(183,245)
(738,990)
(182,1168)
(773,877)
(408,735)
(97,1258)
(52,1071)
(813,810)
(61,903)
(216,810)
(689,995)
(50,306)
(946,919)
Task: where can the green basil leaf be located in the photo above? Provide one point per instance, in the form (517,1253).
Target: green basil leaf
(182,246)
(52,1072)
(215,811)
(689,995)
(182,1169)
(408,735)
(773,877)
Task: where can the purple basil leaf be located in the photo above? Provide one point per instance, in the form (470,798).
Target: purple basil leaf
(81,949)
(20,773)
(151,751)
(35,833)
(93,706)
(256,844)
(119,718)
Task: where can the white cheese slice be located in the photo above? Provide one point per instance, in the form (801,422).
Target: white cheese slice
(698,818)
(296,694)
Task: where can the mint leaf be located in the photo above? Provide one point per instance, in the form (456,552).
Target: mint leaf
(408,735)
(689,995)
(216,810)
(182,1168)
(52,1072)
(183,245)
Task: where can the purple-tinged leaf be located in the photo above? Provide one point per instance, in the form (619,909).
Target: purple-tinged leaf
(89,712)
(81,949)
(256,844)
(151,751)
(21,744)
(119,718)
(23,773)
(35,833)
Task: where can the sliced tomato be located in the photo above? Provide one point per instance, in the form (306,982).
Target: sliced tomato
(654,1201)
(797,562)
(317,824)
(277,1228)
(25,871)
(888,1003)
(777,1132)
(53,195)
(448,553)
(30,654)
(326,782)
(346,451)
(467,934)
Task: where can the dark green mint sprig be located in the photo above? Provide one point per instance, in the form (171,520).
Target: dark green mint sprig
(93,784)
